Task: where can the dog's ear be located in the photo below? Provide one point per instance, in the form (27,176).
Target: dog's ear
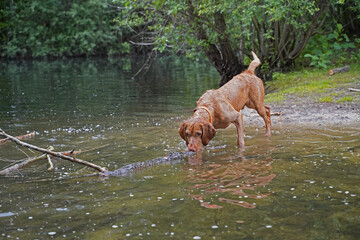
(208,132)
(182,132)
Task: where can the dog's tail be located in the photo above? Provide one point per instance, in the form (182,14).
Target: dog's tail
(254,64)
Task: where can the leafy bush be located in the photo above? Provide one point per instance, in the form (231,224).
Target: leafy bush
(338,42)
(334,48)
(37,28)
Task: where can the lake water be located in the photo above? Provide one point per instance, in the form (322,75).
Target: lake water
(301,183)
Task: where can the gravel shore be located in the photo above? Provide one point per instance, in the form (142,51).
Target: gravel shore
(309,113)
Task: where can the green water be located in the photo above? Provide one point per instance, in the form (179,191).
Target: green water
(302,183)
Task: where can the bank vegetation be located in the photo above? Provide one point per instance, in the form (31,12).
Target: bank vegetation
(284,34)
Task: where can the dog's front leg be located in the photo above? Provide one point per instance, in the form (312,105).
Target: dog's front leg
(239,124)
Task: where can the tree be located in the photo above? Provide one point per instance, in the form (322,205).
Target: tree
(347,13)
(57,28)
(226,31)
(337,42)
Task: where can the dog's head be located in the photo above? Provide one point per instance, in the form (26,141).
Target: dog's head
(196,132)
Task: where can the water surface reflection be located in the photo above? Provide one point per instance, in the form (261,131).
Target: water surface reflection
(241,178)
(302,183)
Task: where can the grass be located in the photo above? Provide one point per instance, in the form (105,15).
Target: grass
(326,99)
(316,84)
(346,99)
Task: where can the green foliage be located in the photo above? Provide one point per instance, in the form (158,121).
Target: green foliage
(55,28)
(277,30)
(181,25)
(326,99)
(330,49)
(346,99)
(338,42)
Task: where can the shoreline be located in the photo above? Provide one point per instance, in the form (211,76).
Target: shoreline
(309,114)
(313,99)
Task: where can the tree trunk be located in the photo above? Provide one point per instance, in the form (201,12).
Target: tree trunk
(230,65)
(288,41)
(221,56)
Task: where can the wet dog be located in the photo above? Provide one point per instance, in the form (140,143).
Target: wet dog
(218,108)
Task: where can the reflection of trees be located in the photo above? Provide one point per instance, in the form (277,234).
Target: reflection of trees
(241,177)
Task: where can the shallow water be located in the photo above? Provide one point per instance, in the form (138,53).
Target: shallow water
(302,183)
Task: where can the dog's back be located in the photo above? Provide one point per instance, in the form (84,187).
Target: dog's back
(244,86)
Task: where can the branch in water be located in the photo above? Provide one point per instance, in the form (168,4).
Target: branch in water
(15,167)
(29,135)
(55,154)
(130,168)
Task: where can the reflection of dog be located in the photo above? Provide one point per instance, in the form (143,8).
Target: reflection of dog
(242,178)
(221,107)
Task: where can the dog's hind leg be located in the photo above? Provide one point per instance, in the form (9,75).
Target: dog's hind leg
(268,114)
(264,112)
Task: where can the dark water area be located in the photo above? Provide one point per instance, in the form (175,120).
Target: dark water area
(301,183)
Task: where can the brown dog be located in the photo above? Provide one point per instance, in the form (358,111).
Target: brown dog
(221,107)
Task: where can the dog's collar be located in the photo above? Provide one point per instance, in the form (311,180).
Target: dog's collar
(205,108)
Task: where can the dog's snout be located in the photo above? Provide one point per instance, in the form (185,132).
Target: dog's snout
(192,148)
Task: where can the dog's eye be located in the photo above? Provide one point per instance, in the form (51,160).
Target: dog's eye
(198,134)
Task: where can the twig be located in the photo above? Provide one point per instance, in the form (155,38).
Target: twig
(277,114)
(49,160)
(354,90)
(280,114)
(143,66)
(14,167)
(55,154)
(23,163)
(72,152)
(50,163)
(23,152)
(29,135)
(9,160)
